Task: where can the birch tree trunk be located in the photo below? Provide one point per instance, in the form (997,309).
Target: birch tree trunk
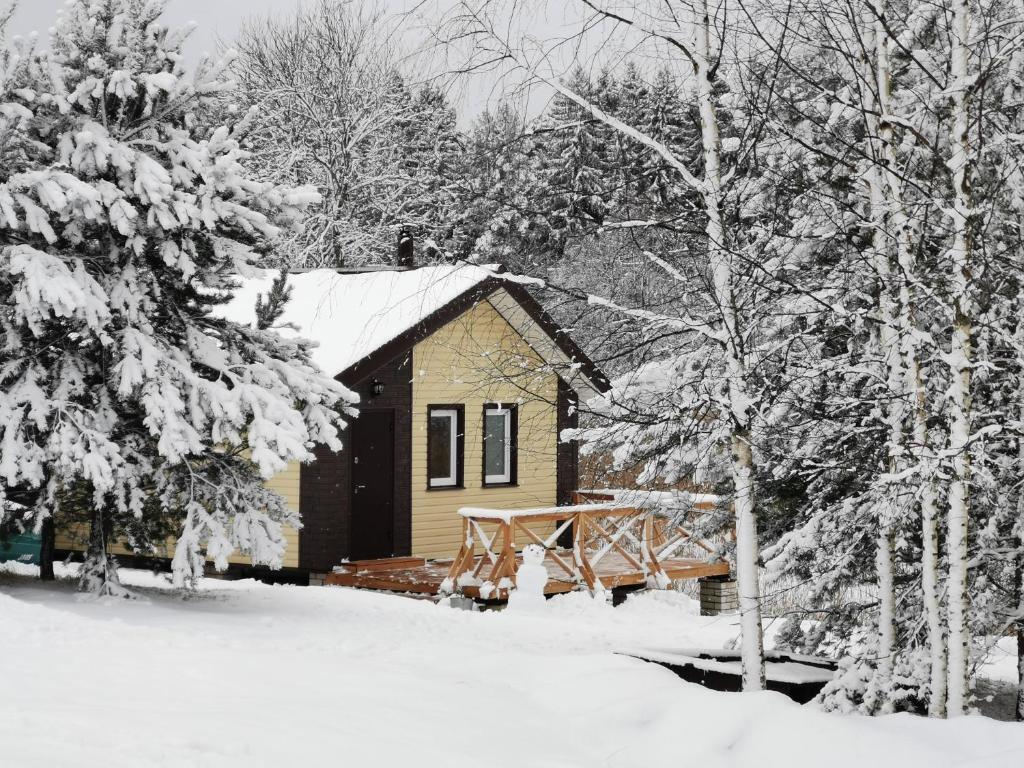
(930,556)
(959,362)
(903,232)
(885,542)
(1017,627)
(1019,708)
(720,260)
(732,333)
(1017,184)
(881,202)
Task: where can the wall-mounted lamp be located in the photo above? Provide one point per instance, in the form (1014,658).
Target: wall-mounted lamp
(376,387)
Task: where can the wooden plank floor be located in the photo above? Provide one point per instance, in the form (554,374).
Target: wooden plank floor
(418,576)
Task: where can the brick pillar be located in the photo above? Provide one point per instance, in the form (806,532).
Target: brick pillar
(718,595)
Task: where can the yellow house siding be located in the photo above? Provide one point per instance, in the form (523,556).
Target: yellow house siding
(475,359)
(69,537)
(75,537)
(286,483)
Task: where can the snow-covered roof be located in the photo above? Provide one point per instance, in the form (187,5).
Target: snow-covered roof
(351,315)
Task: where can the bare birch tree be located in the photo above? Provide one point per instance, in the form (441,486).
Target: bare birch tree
(691,32)
(332,107)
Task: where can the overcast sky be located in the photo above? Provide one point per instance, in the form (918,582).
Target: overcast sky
(221,19)
(214,17)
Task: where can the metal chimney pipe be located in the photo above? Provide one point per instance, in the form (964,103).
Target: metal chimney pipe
(404,256)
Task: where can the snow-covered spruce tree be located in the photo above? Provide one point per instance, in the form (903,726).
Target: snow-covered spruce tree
(573,166)
(565,187)
(499,222)
(554,183)
(123,223)
(432,149)
(16,151)
(663,113)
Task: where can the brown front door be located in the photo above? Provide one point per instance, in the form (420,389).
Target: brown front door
(373,485)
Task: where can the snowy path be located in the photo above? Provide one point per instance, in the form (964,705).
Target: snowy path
(244,674)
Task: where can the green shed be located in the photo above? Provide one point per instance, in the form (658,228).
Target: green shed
(22,548)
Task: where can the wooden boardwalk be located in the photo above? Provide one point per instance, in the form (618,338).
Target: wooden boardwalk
(418,576)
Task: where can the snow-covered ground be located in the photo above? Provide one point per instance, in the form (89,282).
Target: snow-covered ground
(244,674)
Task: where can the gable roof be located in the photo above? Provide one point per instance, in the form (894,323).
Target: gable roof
(364,319)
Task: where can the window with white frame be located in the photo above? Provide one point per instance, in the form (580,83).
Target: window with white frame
(499,458)
(444,460)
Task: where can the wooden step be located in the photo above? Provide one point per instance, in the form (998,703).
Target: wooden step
(382,564)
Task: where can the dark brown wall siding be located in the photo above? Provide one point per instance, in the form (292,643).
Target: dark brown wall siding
(568,471)
(325,485)
(323,501)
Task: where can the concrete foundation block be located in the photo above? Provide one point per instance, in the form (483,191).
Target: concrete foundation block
(718,595)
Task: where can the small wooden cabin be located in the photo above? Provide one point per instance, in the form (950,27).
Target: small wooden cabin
(464,382)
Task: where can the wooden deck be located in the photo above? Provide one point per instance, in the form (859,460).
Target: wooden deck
(612,546)
(419,576)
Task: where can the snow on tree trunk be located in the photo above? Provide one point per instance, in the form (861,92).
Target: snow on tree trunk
(886,510)
(959,361)
(921,446)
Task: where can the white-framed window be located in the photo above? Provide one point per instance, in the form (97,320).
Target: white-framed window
(444,460)
(499,458)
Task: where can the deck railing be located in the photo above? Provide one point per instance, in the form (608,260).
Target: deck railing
(597,528)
